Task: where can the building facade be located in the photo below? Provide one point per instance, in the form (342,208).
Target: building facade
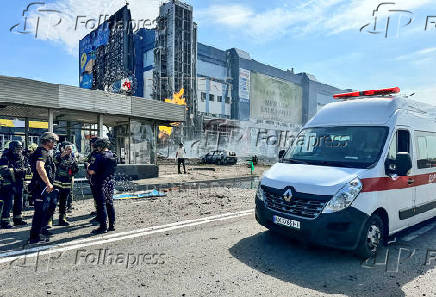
(107,56)
(145,41)
(175,55)
(225,91)
(214,88)
(255,91)
(216,83)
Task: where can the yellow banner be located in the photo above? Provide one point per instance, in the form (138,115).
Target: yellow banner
(32,124)
(6,123)
(38,125)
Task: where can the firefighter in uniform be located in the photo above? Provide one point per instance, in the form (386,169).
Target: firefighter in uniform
(66,168)
(44,171)
(102,172)
(28,178)
(14,167)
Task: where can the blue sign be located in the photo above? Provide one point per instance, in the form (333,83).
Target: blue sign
(87,47)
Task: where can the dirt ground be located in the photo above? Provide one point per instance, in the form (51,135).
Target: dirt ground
(177,205)
(195,172)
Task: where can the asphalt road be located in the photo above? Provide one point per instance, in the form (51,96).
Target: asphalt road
(208,248)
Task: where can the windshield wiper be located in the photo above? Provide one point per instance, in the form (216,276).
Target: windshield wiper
(336,164)
(295,161)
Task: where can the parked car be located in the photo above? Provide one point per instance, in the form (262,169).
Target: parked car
(220,158)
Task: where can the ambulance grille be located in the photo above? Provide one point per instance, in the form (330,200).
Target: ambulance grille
(305,208)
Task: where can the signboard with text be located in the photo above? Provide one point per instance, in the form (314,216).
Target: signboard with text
(274,99)
(244,85)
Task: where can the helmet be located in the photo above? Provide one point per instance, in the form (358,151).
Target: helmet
(15,146)
(102,143)
(93,140)
(48,137)
(64,144)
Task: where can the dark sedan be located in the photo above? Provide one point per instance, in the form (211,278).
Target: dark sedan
(220,158)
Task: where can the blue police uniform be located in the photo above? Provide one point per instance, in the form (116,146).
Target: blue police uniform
(88,161)
(103,187)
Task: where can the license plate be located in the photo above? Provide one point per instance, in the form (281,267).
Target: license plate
(286,222)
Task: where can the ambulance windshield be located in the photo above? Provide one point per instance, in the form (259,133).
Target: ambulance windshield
(354,147)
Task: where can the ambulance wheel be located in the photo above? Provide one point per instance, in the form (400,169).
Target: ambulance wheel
(372,237)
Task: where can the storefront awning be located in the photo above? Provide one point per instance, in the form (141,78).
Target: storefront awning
(21,97)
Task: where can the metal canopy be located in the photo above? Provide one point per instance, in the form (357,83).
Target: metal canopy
(27,98)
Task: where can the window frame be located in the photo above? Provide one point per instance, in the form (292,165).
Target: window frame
(418,134)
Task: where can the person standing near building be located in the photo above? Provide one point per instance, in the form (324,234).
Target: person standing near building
(13,166)
(180,156)
(66,168)
(102,172)
(89,160)
(28,178)
(44,171)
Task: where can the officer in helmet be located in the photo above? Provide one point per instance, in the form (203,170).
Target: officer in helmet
(66,168)
(13,168)
(89,160)
(44,171)
(102,172)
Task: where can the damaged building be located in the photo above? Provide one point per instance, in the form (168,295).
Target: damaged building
(230,98)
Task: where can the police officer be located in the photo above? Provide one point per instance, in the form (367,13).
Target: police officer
(102,172)
(90,159)
(44,170)
(2,203)
(14,167)
(66,168)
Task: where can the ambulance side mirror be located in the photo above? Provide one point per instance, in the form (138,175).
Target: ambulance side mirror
(403,164)
(282,154)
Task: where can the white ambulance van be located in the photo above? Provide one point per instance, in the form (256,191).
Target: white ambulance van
(361,170)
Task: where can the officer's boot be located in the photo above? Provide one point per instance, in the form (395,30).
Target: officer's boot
(18,221)
(111,228)
(49,223)
(99,230)
(63,220)
(5,224)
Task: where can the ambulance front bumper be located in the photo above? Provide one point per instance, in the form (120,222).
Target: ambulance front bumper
(340,230)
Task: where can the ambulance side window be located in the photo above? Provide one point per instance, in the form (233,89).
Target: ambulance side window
(403,137)
(393,149)
(400,144)
(426,149)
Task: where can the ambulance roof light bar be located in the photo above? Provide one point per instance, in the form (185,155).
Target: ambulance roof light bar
(367,93)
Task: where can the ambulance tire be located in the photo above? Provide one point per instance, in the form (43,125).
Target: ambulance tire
(372,238)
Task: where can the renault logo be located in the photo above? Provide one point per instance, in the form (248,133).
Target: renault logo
(287,196)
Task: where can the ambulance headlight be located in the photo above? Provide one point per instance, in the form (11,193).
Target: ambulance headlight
(260,194)
(344,197)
